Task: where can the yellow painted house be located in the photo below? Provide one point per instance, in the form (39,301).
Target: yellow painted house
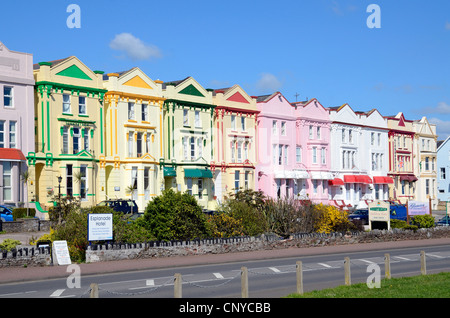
(235,141)
(68,131)
(188,140)
(129,166)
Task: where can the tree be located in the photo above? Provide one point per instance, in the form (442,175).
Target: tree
(175,216)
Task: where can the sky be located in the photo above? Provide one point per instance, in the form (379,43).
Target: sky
(394,58)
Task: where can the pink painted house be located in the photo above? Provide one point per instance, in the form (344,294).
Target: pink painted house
(312,150)
(279,172)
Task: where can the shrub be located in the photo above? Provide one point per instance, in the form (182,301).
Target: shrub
(224,225)
(423,221)
(175,216)
(9,244)
(23,212)
(332,220)
(252,219)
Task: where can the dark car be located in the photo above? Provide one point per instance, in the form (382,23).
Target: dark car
(360,214)
(6,214)
(120,205)
(445,221)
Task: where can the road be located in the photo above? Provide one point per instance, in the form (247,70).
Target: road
(267,278)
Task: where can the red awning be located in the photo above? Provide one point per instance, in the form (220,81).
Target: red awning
(357,179)
(383,180)
(336,182)
(12,154)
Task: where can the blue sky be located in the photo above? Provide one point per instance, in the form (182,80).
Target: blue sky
(315,48)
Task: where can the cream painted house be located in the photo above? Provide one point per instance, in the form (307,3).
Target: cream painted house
(129,165)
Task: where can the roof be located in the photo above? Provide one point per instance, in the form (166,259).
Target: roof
(53,63)
(12,154)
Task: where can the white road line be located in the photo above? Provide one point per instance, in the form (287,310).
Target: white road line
(434,255)
(218,275)
(402,258)
(150,282)
(13,294)
(274,269)
(366,261)
(57,293)
(325,265)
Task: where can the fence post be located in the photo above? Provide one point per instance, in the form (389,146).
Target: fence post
(348,279)
(423,263)
(387,266)
(94,290)
(177,290)
(244,282)
(299,278)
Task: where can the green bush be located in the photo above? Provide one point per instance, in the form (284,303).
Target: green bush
(423,221)
(23,212)
(175,216)
(9,244)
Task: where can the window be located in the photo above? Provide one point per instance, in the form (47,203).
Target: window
(134,182)
(69,180)
(65,138)
(8,96)
(185,147)
(12,134)
(66,104)
(246,180)
(83,182)
(442,173)
(243,123)
(233,151)
(131,111)
(343,135)
(286,154)
(350,136)
(76,140)
(2,134)
(427,163)
(372,139)
(192,148)
(146,183)
(130,144)
(318,132)
(86,139)
(298,154)
(236,181)
(323,156)
(288,187)
(315,185)
(233,122)
(278,185)
(239,151)
(311,132)
(139,144)
(379,139)
(200,188)
(274,154)
(246,150)
(189,185)
(314,155)
(7,188)
(200,147)
(283,128)
(274,128)
(427,186)
(185,117)
(144,112)
(280,155)
(197,119)
(82,105)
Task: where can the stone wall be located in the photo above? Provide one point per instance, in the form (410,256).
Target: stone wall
(25,225)
(112,252)
(26,256)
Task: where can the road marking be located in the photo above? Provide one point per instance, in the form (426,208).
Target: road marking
(325,265)
(366,261)
(274,269)
(150,282)
(20,293)
(57,293)
(218,275)
(403,258)
(433,255)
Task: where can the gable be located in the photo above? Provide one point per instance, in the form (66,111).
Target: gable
(401,122)
(191,90)
(237,97)
(74,71)
(137,81)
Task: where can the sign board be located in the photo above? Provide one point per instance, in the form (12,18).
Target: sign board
(418,208)
(379,211)
(60,253)
(100,227)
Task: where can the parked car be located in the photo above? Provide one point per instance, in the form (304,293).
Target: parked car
(360,214)
(120,205)
(6,214)
(445,221)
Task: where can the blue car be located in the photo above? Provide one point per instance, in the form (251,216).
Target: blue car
(5,214)
(445,221)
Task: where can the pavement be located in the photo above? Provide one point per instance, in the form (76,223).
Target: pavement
(18,274)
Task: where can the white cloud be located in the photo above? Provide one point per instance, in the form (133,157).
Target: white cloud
(441,108)
(268,83)
(133,47)
(442,127)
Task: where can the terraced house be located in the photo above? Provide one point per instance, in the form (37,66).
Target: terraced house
(188,140)
(235,141)
(69,131)
(129,165)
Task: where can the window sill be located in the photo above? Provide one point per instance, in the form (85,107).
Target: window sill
(67,114)
(82,115)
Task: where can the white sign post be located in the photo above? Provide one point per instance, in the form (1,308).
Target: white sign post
(60,253)
(379,211)
(100,227)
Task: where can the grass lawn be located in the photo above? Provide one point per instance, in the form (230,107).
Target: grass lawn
(424,286)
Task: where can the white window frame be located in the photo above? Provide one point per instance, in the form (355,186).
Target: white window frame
(10,96)
(65,140)
(12,134)
(198,123)
(283,128)
(2,133)
(86,139)
(144,112)
(82,108)
(185,117)
(77,138)
(83,182)
(233,122)
(298,154)
(66,105)
(131,113)
(7,175)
